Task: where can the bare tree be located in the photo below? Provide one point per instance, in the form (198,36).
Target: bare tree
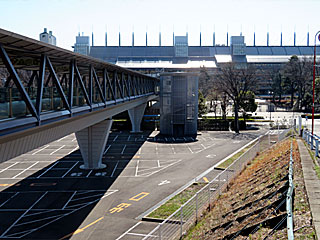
(235,80)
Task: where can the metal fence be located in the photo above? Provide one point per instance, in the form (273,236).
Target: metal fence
(312,141)
(190,212)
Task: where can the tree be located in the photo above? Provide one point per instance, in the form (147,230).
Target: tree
(248,103)
(298,79)
(202,108)
(235,81)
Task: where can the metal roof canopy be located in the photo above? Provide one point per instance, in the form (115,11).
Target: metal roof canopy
(24,48)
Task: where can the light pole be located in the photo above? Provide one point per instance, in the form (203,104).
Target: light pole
(314,78)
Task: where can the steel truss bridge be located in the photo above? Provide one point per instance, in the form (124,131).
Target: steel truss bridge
(48,92)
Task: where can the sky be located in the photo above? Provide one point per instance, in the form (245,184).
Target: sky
(66,18)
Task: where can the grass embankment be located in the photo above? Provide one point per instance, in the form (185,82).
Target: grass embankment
(250,208)
(230,160)
(175,203)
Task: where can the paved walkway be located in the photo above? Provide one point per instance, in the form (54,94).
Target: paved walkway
(312,183)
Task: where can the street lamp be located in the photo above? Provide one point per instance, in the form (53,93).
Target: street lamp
(314,77)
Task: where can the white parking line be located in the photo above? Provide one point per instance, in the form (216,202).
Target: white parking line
(25,169)
(57,149)
(122,152)
(106,150)
(76,148)
(114,169)
(137,166)
(125,233)
(158,163)
(48,169)
(174,152)
(115,138)
(189,148)
(8,167)
(40,149)
(69,170)
(9,199)
(4,233)
(89,173)
(69,200)
(62,138)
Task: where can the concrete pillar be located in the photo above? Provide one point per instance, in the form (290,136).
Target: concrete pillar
(92,141)
(136,115)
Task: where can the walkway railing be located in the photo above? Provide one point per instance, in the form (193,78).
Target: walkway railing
(312,141)
(190,212)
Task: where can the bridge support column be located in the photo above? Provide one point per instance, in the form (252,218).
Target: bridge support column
(136,115)
(92,141)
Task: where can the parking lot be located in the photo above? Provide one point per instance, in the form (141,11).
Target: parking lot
(45,195)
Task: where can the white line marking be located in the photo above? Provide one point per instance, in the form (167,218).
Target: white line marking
(123,149)
(158,163)
(106,150)
(62,138)
(115,138)
(137,166)
(76,148)
(128,139)
(48,169)
(139,152)
(89,173)
(114,169)
(3,234)
(157,148)
(40,149)
(38,220)
(189,148)
(69,200)
(86,197)
(57,149)
(9,199)
(69,169)
(8,167)
(174,152)
(25,170)
(142,235)
(125,233)
(74,139)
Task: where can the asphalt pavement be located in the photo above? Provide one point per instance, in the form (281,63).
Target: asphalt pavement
(45,195)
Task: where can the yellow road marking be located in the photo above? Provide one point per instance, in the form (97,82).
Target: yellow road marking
(139,196)
(136,157)
(81,229)
(205,179)
(6,184)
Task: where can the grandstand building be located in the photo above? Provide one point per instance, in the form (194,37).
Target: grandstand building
(181,57)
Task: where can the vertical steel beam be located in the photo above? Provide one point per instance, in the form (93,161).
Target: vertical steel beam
(42,73)
(59,88)
(71,82)
(17,82)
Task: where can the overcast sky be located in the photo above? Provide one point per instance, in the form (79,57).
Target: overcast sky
(68,17)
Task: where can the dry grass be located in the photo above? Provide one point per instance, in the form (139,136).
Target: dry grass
(253,199)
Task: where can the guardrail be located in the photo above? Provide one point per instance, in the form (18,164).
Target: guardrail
(190,212)
(312,141)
